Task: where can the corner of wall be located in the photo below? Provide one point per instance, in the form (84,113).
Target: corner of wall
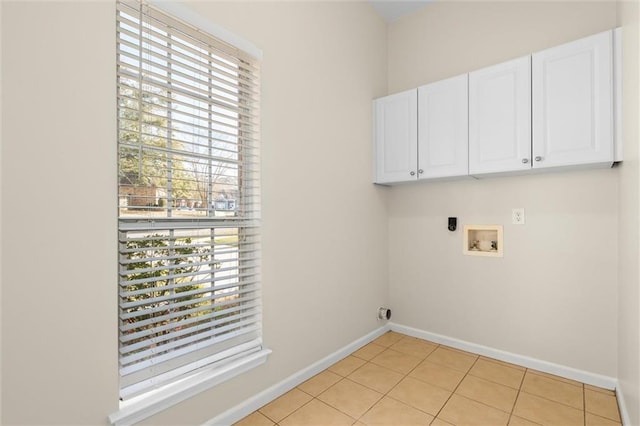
(628,17)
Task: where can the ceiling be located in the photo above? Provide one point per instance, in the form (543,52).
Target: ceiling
(391,10)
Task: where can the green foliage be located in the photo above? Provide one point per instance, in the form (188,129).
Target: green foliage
(141,164)
(169,270)
(144,137)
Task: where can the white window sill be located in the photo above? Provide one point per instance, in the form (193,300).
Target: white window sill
(153,402)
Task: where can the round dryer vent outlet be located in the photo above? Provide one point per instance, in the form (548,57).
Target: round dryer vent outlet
(384,313)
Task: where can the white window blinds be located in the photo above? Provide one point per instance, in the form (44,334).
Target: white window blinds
(189,207)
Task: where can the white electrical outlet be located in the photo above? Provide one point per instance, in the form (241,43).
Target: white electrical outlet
(517,216)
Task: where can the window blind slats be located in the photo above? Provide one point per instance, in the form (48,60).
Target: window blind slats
(161,341)
(230,345)
(155,225)
(128,10)
(174,339)
(233,352)
(217,95)
(189,208)
(160,228)
(180,288)
(217,300)
(196,101)
(184,148)
(247,308)
(166,343)
(223,138)
(192,281)
(224,74)
(166,62)
(223,130)
(186,156)
(186,352)
(167,317)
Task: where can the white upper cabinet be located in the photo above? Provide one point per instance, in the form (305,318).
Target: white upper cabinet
(557,108)
(396,137)
(443,128)
(573,103)
(500,118)
(423,133)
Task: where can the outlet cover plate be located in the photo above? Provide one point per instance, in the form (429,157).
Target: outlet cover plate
(517,216)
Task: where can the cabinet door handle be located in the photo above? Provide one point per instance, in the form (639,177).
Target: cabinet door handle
(412,173)
(538,158)
(525,160)
(420,171)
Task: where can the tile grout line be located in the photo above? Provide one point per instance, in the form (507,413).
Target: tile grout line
(387,393)
(435,417)
(376,403)
(393,387)
(291,413)
(477,358)
(456,388)
(584,405)
(553,400)
(406,375)
(357,419)
(518,394)
(600,414)
(452,392)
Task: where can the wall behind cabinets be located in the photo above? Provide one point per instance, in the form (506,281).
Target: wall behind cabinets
(553,296)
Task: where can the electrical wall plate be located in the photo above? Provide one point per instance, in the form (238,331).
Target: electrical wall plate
(517,216)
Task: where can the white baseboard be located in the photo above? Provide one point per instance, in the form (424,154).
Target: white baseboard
(624,414)
(524,361)
(247,407)
(250,405)
(521,360)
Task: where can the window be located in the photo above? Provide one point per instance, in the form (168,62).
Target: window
(189,210)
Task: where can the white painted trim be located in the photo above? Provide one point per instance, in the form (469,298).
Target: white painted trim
(180,11)
(177,392)
(624,413)
(524,361)
(253,403)
(618,143)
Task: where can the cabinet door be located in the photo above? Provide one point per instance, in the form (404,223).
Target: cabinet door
(572,103)
(500,118)
(443,128)
(396,137)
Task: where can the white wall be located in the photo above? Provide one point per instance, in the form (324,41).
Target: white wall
(59,312)
(324,266)
(554,294)
(0,204)
(447,38)
(629,211)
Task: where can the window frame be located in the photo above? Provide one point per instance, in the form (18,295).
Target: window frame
(153,401)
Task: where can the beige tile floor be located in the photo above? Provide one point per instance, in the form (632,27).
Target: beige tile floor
(398,380)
